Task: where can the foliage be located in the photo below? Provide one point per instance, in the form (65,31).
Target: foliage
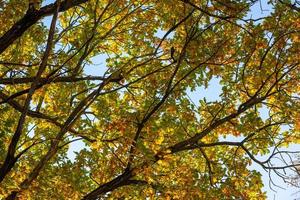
(144,137)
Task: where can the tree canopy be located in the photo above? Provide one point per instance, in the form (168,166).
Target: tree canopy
(120,76)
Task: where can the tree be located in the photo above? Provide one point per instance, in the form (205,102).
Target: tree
(143,135)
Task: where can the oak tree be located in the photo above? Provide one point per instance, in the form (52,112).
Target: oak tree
(121,76)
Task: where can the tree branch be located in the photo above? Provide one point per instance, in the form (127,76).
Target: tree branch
(30,18)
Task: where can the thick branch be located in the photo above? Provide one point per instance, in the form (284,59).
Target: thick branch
(12,81)
(119,181)
(32,17)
